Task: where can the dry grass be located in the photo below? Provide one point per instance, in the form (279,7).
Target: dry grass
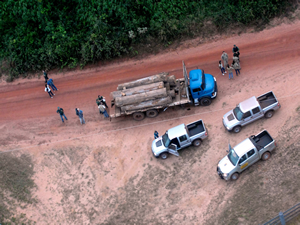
(16,186)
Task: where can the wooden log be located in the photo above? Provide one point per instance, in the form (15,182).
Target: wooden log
(137,90)
(147,80)
(171,93)
(148,104)
(167,85)
(172,80)
(138,98)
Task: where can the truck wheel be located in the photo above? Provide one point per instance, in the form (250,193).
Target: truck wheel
(269,114)
(197,142)
(205,101)
(234,176)
(138,116)
(237,129)
(164,155)
(152,113)
(266,156)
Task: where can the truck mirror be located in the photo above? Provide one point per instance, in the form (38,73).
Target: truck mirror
(227,151)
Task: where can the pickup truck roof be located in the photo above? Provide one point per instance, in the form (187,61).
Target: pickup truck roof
(243,147)
(176,131)
(249,104)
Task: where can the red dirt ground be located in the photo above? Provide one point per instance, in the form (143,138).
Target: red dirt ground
(84,174)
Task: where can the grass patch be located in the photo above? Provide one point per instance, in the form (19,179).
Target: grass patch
(15,187)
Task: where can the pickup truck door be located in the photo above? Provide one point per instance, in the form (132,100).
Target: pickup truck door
(243,163)
(257,113)
(184,141)
(247,118)
(173,149)
(252,157)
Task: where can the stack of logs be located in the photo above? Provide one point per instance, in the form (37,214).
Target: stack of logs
(148,92)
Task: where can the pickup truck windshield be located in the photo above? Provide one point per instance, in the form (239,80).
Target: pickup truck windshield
(233,157)
(166,140)
(238,113)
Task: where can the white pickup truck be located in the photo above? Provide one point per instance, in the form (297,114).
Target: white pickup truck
(250,110)
(178,138)
(245,154)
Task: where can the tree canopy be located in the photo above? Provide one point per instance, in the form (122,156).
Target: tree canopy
(38,34)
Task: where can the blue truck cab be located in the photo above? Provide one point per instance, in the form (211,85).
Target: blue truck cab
(203,87)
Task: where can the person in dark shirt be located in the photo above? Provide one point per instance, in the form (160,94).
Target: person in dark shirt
(61,113)
(236,51)
(45,76)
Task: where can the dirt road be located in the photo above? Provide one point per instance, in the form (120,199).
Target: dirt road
(104,172)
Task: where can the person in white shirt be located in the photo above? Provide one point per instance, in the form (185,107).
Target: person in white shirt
(48,90)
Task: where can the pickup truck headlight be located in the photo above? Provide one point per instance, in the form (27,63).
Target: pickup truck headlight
(225,175)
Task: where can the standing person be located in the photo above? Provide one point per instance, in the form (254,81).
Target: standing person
(236,65)
(230,69)
(80,115)
(61,113)
(45,76)
(101,100)
(48,90)
(236,51)
(102,110)
(222,68)
(50,83)
(156,134)
(224,57)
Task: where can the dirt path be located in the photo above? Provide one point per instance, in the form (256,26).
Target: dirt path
(104,172)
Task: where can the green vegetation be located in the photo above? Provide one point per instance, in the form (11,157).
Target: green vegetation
(37,34)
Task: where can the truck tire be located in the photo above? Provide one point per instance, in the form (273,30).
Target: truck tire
(138,116)
(235,176)
(266,156)
(237,129)
(269,114)
(152,113)
(197,142)
(205,101)
(164,155)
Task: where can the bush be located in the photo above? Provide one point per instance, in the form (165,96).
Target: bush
(37,34)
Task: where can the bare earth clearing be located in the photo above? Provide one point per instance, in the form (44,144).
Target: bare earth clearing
(104,172)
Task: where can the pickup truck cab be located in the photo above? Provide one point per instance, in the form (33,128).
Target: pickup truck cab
(245,154)
(178,138)
(203,87)
(250,110)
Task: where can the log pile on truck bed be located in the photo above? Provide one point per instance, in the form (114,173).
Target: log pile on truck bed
(145,93)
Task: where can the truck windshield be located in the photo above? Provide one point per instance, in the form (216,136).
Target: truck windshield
(233,157)
(238,113)
(166,140)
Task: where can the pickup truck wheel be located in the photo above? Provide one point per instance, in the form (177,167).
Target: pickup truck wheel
(205,101)
(266,156)
(164,155)
(237,129)
(152,113)
(235,176)
(269,114)
(138,116)
(197,142)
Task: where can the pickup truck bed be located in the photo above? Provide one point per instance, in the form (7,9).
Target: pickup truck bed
(261,140)
(195,128)
(266,100)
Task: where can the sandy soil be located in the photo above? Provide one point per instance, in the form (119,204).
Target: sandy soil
(104,172)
